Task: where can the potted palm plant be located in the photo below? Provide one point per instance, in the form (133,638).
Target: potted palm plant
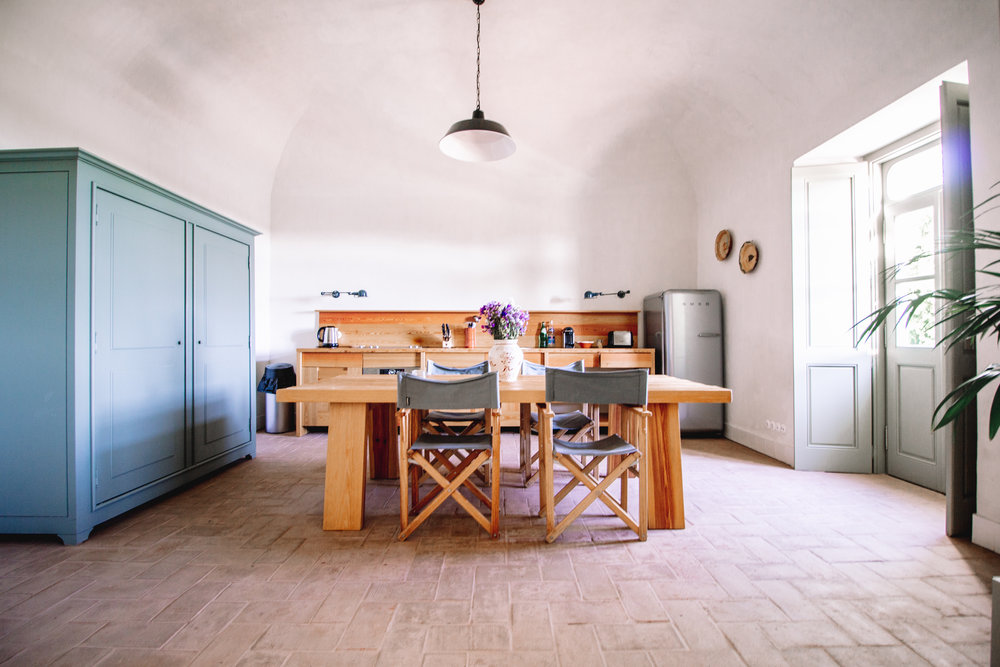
(967,315)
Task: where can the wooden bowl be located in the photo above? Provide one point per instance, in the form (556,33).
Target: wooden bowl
(584,343)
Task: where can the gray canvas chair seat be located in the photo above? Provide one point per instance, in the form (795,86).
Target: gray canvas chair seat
(567,421)
(624,449)
(613,445)
(433,456)
(454,415)
(570,422)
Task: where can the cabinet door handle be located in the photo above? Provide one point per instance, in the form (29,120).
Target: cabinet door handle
(178,342)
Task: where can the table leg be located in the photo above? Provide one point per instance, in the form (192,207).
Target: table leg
(384,461)
(344,490)
(666,488)
(300,411)
(525,441)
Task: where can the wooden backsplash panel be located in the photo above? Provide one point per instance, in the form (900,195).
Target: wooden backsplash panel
(423,328)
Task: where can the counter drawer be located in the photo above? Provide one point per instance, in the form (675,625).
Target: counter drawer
(627,360)
(330,360)
(564,358)
(392,360)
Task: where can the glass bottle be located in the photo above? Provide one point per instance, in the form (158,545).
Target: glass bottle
(543,335)
(552,335)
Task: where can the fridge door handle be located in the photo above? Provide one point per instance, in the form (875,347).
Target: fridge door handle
(705,334)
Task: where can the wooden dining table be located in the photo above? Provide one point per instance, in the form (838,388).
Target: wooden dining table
(353,400)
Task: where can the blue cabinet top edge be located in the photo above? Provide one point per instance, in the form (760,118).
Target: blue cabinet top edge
(50,154)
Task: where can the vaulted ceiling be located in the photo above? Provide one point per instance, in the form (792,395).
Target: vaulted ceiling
(229,80)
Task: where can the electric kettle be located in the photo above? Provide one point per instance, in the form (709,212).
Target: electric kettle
(328,336)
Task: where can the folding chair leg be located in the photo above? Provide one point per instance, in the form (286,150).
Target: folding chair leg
(597,490)
(449,490)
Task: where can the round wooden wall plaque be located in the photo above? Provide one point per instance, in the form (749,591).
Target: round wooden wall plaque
(748,256)
(723,244)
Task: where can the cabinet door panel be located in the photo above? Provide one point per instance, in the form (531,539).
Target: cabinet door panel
(222,344)
(139,400)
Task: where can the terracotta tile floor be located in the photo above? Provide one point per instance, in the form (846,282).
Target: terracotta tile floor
(775,567)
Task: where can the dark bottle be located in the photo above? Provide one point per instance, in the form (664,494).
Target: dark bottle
(543,335)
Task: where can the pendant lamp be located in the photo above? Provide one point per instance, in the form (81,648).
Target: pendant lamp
(477,139)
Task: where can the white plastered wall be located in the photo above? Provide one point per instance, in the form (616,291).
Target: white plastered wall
(418,230)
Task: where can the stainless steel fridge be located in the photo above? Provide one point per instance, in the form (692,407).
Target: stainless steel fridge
(685,329)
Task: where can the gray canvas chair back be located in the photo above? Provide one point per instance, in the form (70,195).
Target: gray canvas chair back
(531,368)
(480,391)
(434,368)
(625,387)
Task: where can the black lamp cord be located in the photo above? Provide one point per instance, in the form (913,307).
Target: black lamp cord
(478,4)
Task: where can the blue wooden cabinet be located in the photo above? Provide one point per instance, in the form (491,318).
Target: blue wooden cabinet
(127,316)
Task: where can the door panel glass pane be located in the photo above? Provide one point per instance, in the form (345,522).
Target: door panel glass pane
(830,235)
(912,235)
(918,329)
(914,174)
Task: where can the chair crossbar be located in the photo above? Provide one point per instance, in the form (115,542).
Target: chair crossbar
(597,490)
(449,489)
(444,461)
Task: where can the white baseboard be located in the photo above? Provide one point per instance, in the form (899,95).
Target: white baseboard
(986,532)
(776,450)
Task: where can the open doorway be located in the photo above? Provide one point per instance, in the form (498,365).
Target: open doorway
(909,182)
(866,406)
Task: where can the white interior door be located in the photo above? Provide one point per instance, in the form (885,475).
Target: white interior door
(832,288)
(915,381)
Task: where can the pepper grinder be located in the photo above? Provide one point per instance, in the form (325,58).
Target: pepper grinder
(470,333)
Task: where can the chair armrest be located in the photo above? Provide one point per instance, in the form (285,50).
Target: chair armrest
(635,425)
(545,417)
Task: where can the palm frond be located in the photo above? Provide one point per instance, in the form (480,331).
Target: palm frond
(964,394)
(966,315)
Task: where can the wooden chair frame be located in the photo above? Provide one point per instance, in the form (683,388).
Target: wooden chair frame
(528,457)
(452,422)
(431,456)
(630,423)
(450,477)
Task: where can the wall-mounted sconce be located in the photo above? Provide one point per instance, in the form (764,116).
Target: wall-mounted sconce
(620,294)
(336,293)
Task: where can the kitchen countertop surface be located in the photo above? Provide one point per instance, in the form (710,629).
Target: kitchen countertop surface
(417,348)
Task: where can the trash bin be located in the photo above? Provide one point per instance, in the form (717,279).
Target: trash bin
(278,417)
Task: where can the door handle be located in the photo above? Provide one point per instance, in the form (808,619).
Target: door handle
(709,335)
